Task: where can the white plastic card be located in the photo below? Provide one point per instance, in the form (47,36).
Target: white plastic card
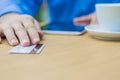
(33,49)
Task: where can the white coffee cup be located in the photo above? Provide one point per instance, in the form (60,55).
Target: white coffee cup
(108,16)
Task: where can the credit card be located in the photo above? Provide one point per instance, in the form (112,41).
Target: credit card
(32,49)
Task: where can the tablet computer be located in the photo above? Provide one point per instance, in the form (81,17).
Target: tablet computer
(62,29)
(63,32)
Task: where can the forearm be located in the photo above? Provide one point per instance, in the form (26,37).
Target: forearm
(19,6)
(106,1)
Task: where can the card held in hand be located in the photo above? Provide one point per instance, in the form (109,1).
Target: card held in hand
(33,49)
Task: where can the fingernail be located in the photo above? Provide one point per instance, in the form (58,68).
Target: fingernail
(36,40)
(13,42)
(25,42)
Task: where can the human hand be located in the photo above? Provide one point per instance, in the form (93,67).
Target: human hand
(23,29)
(86,20)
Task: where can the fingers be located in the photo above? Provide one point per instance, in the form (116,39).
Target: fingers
(86,20)
(94,19)
(20,28)
(30,27)
(21,33)
(83,20)
(0,39)
(0,35)
(36,23)
(9,33)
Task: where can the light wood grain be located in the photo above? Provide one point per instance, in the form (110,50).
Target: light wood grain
(64,58)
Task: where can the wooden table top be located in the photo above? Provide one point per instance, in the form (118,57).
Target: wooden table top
(64,58)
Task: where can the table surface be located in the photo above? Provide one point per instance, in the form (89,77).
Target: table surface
(64,58)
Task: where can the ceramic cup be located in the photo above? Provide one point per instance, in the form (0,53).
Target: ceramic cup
(108,16)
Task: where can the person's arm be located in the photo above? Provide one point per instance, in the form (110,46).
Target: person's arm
(92,17)
(106,1)
(20,6)
(17,23)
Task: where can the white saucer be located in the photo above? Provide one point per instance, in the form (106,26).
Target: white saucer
(96,32)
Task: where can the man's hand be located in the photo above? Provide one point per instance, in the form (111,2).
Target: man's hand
(86,20)
(23,29)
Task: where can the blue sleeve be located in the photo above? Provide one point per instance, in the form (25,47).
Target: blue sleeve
(20,6)
(107,1)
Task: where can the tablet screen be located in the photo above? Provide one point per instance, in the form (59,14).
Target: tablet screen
(63,27)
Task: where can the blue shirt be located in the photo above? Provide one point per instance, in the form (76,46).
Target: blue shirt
(61,12)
